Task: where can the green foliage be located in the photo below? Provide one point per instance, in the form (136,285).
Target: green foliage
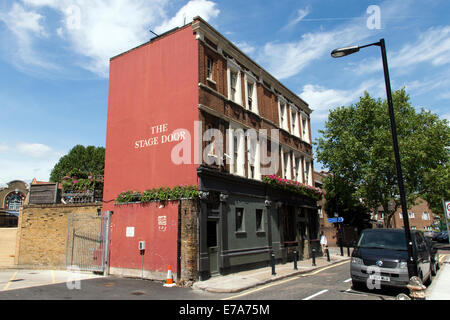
(341,198)
(294,187)
(159,194)
(356,145)
(80,160)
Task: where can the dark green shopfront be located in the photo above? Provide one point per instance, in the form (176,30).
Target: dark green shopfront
(243,221)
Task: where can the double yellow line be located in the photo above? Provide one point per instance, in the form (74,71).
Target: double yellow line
(276,283)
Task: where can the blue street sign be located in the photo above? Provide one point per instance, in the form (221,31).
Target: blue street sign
(334,220)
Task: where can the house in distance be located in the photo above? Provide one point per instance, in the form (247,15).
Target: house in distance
(208,162)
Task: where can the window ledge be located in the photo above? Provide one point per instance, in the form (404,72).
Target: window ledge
(211,80)
(261,233)
(240,233)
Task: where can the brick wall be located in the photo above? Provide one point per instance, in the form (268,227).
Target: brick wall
(42,233)
(189,240)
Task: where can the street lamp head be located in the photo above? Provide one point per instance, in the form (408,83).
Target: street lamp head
(337,53)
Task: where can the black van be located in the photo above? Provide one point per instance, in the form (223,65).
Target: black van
(380,258)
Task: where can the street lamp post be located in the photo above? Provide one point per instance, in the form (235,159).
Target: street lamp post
(337,53)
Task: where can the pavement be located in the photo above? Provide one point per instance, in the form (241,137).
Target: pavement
(244,280)
(439,288)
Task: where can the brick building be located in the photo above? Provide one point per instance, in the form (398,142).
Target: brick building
(12,197)
(189,108)
(420,217)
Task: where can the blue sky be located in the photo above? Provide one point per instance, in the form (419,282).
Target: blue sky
(54,57)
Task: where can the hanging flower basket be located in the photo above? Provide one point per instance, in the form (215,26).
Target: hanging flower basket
(294,186)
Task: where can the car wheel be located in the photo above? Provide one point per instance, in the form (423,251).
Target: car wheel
(357,285)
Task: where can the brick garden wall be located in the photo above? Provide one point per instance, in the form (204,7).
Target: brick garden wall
(42,233)
(189,240)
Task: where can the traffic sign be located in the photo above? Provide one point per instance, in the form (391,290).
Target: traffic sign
(334,220)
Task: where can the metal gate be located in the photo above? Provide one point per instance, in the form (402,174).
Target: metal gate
(87,243)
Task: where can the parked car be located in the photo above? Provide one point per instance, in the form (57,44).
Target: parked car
(380,257)
(433,255)
(435,235)
(443,237)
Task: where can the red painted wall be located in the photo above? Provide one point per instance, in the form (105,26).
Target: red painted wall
(153,85)
(160,236)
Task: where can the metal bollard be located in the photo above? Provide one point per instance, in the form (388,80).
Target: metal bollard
(272,261)
(328,255)
(314,257)
(295,260)
(342,249)
(348,251)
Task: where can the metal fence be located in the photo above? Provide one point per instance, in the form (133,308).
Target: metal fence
(87,242)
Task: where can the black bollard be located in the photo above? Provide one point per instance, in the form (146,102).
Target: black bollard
(348,251)
(314,257)
(295,260)
(342,249)
(272,260)
(328,255)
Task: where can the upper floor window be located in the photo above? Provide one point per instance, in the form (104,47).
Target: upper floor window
(237,148)
(283,115)
(234,83)
(251,93)
(308,175)
(297,169)
(411,215)
(253,156)
(294,123)
(286,161)
(209,66)
(425,216)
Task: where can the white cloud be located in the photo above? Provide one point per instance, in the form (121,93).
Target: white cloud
(245,47)
(26,161)
(322,99)
(301,14)
(26,26)
(431,47)
(97,30)
(35,150)
(204,8)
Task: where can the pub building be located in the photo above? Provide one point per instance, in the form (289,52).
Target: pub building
(188,108)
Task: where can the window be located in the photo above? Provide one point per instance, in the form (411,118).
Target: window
(253,156)
(14,201)
(259,220)
(425,216)
(250,93)
(283,115)
(240,220)
(411,215)
(294,123)
(307,172)
(286,164)
(297,169)
(305,135)
(237,148)
(233,84)
(400,215)
(210,64)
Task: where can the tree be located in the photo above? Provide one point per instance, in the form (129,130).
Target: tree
(86,159)
(357,144)
(341,198)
